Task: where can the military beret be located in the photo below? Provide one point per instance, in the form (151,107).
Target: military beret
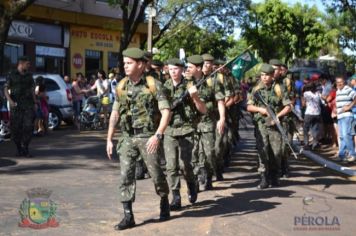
(134,53)
(148,55)
(266,68)
(157,63)
(208,57)
(275,62)
(195,59)
(175,62)
(23,58)
(219,62)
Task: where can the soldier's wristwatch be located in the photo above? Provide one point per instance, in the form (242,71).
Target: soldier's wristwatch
(159,136)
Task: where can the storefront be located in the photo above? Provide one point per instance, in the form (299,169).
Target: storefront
(46,50)
(93,48)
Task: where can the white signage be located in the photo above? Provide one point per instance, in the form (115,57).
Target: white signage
(50,51)
(20,29)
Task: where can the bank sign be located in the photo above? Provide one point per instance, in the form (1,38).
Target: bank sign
(37,32)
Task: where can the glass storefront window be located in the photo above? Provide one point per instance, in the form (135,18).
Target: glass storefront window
(93,62)
(112,59)
(12,52)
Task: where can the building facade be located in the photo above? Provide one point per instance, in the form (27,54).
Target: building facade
(69,36)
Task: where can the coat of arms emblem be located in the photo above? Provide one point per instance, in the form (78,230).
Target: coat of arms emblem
(38,211)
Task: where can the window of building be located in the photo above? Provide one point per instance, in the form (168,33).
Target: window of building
(11,53)
(93,61)
(113,59)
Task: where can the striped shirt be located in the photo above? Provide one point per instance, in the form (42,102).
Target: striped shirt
(344,97)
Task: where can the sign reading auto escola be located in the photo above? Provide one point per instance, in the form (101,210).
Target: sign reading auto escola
(38,211)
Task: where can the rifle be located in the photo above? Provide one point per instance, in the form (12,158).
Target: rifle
(183,95)
(271,113)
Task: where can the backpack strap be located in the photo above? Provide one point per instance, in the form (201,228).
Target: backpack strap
(151,83)
(121,86)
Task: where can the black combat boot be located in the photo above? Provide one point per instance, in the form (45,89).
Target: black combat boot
(128,221)
(165,213)
(264,183)
(209,183)
(219,174)
(176,203)
(193,189)
(26,152)
(140,170)
(275,181)
(20,151)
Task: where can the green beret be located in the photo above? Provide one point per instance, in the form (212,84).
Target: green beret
(275,62)
(23,58)
(157,63)
(195,59)
(134,53)
(148,55)
(219,62)
(208,57)
(266,68)
(175,62)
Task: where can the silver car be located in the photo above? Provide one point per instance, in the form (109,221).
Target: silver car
(59,99)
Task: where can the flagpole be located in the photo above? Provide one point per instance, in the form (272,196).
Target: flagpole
(179,100)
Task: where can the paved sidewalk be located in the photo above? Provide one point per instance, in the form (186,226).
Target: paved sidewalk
(84,185)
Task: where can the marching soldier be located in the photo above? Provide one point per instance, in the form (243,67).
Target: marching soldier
(220,138)
(204,156)
(268,138)
(139,101)
(22,105)
(280,77)
(179,140)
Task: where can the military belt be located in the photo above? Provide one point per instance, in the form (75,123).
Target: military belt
(138,131)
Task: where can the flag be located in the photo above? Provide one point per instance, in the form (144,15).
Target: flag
(241,64)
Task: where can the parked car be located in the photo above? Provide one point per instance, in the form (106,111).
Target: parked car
(59,100)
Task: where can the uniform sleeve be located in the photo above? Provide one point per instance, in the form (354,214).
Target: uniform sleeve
(250,100)
(228,86)
(219,90)
(116,105)
(285,99)
(162,96)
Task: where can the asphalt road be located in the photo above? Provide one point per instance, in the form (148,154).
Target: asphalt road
(313,201)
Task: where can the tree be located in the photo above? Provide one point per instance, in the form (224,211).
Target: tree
(8,11)
(278,30)
(178,15)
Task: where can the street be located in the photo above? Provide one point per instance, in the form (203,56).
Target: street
(313,201)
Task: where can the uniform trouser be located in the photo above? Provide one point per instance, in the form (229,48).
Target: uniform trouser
(270,150)
(21,125)
(206,152)
(221,146)
(178,153)
(129,150)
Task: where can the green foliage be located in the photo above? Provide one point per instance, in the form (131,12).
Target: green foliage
(279,31)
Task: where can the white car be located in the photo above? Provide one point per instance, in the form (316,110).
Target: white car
(59,100)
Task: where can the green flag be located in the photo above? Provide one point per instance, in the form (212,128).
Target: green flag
(242,64)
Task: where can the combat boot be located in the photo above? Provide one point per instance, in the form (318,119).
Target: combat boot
(20,151)
(193,189)
(264,183)
(165,212)
(128,221)
(25,152)
(275,181)
(219,174)
(209,183)
(176,203)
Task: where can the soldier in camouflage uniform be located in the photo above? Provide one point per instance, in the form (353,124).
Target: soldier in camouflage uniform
(139,101)
(211,93)
(22,105)
(280,77)
(178,139)
(268,138)
(219,80)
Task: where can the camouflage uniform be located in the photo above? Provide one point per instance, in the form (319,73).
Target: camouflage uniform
(138,109)
(268,138)
(178,140)
(221,142)
(22,116)
(210,92)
